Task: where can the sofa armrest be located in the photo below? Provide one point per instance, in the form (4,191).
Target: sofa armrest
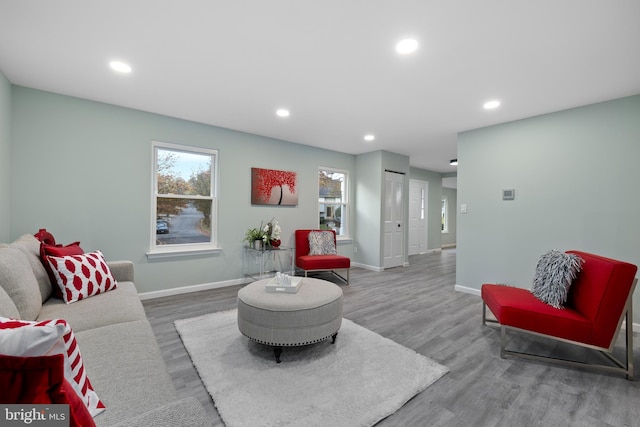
(122,270)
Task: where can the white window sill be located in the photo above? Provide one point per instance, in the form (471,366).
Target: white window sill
(176,252)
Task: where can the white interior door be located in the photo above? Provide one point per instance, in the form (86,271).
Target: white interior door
(417,217)
(393,217)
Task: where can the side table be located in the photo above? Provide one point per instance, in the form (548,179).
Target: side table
(261,263)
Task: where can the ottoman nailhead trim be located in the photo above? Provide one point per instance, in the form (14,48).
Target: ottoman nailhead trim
(291,345)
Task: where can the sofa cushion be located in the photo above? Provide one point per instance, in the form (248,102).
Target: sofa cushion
(31,247)
(117,306)
(7,307)
(24,338)
(82,276)
(555,272)
(19,282)
(322,243)
(41,380)
(126,369)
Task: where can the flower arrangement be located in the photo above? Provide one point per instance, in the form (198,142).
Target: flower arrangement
(272,233)
(268,233)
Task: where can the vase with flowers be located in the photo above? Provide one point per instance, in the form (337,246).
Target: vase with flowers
(272,231)
(265,236)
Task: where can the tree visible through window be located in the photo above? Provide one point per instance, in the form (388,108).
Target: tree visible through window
(184,196)
(333,202)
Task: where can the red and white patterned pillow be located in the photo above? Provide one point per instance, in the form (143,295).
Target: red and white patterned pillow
(46,338)
(81,276)
(47,250)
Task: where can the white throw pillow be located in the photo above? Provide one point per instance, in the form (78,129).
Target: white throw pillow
(81,276)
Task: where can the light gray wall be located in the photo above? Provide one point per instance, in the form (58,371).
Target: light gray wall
(575,175)
(369,187)
(5,153)
(449,238)
(434,181)
(83,170)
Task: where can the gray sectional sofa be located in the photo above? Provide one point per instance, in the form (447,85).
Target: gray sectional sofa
(118,347)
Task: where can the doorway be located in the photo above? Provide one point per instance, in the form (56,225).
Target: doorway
(418,197)
(393,220)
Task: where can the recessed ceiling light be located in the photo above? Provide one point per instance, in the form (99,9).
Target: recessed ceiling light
(453,162)
(120,67)
(407,46)
(369,137)
(490,105)
(282,112)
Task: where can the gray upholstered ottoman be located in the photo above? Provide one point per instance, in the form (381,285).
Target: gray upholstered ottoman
(311,315)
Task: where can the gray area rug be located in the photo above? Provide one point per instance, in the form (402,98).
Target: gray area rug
(357,381)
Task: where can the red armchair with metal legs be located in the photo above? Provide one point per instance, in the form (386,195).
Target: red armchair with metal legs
(308,263)
(599,299)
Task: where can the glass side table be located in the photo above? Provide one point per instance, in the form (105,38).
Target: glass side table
(259,264)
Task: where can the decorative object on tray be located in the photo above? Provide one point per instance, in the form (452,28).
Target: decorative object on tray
(283,283)
(264,236)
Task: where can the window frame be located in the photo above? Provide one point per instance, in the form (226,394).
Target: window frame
(445,215)
(344,202)
(183,249)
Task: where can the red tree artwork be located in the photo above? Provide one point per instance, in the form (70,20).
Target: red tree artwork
(263,181)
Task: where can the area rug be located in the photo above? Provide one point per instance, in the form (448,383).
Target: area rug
(357,381)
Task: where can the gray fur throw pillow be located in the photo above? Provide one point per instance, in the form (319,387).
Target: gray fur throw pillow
(554,274)
(322,243)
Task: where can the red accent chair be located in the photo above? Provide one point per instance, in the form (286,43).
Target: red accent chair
(308,263)
(599,299)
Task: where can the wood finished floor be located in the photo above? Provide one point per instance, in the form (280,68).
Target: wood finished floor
(417,306)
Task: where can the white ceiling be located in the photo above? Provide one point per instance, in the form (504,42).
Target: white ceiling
(331,62)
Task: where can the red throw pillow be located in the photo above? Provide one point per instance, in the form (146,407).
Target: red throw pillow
(57,250)
(82,276)
(45,237)
(40,380)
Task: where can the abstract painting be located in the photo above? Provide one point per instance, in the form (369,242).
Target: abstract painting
(273,187)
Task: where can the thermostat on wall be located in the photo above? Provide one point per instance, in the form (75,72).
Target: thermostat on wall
(508,194)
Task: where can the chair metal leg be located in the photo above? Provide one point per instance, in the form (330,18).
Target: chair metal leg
(625,367)
(484,314)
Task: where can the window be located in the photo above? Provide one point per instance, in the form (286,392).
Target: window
(445,213)
(333,200)
(184,199)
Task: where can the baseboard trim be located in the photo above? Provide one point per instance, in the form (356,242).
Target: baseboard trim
(189,289)
(467,290)
(367,267)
